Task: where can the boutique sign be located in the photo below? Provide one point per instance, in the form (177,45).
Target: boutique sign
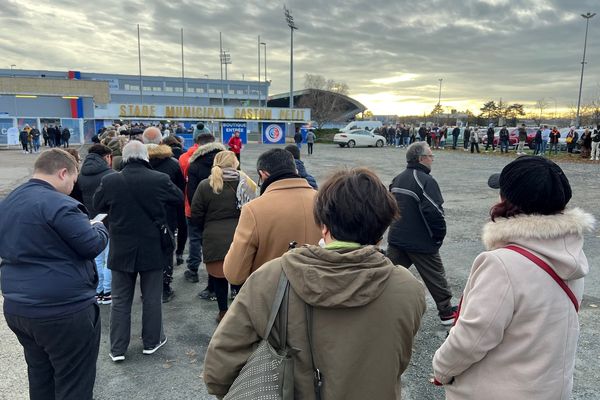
(113,111)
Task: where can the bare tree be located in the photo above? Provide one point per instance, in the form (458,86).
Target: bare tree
(541,104)
(323,101)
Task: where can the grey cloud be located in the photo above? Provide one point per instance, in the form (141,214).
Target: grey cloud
(521,49)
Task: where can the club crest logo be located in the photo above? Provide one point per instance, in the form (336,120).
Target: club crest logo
(273,133)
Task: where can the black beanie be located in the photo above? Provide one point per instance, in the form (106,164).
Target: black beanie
(534,184)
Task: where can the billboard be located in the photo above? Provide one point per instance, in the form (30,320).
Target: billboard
(273,133)
(228,129)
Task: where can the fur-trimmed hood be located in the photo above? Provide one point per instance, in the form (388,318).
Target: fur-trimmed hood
(557,238)
(159,151)
(205,149)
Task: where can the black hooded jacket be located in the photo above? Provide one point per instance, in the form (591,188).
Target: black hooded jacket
(201,163)
(421,227)
(94,168)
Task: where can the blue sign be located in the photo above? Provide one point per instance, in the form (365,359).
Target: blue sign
(273,133)
(229,128)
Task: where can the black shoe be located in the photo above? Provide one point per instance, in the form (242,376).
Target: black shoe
(151,350)
(449,317)
(178,259)
(207,295)
(168,295)
(233,293)
(191,276)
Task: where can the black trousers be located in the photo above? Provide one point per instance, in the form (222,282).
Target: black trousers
(432,272)
(310,148)
(61,353)
(123,289)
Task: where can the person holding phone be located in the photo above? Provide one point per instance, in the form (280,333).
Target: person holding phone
(49,279)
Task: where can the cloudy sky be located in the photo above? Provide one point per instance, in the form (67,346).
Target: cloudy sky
(390,53)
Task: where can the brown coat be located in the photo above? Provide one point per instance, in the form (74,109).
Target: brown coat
(267,225)
(366,313)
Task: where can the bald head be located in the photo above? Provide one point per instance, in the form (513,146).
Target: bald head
(152,135)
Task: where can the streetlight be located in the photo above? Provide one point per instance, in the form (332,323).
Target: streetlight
(439,101)
(258,51)
(587,17)
(264,44)
(290,21)
(11,69)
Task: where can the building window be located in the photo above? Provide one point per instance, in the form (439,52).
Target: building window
(156,89)
(168,89)
(129,87)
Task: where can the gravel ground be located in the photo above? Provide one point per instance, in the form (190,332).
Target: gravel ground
(175,370)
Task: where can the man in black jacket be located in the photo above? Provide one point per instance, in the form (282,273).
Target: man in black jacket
(418,235)
(455,135)
(136,200)
(161,159)
(96,165)
(201,163)
(49,280)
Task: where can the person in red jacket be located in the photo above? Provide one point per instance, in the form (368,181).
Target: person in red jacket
(235,144)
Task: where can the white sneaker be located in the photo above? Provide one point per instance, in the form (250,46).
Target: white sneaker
(117,358)
(151,350)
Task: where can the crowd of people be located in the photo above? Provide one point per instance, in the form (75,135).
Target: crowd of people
(138,199)
(585,141)
(53,135)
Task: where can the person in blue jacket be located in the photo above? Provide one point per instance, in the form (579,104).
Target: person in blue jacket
(290,148)
(49,279)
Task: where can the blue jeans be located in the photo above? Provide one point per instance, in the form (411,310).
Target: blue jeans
(104,274)
(36,144)
(397,141)
(299,145)
(195,248)
(504,145)
(544,144)
(405,140)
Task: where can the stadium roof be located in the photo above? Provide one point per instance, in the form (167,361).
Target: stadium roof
(349,107)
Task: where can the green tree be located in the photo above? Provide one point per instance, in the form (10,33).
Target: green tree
(437,110)
(514,111)
(489,109)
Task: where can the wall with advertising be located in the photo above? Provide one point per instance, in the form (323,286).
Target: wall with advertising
(228,129)
(273,133)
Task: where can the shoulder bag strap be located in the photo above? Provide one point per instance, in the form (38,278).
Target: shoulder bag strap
(279,294)
(317,376)
(543,265)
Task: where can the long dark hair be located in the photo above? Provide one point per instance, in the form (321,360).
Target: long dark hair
(504,209)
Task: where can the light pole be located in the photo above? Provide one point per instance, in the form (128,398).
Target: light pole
(587,17)
(439,101)
(182,71)
(258,51)
(290,21)
(140,65)
(265,57)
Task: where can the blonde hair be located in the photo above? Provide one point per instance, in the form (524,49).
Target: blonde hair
(223,159)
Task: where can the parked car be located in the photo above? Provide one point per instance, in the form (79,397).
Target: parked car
(366,125)
(513,137)
(359,137)
(530,142)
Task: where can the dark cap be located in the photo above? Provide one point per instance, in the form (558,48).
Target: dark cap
(534,184)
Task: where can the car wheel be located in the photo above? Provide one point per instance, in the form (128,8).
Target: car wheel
(342,144)
(351,143)
(379,143)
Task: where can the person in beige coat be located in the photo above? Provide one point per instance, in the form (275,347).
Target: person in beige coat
(517,330)
(282,214)
(366,310)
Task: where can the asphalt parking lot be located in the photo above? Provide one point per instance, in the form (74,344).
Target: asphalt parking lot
(175,370)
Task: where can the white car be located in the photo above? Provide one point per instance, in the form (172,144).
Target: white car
(359,137)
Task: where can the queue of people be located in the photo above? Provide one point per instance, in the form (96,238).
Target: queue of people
(317,254)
